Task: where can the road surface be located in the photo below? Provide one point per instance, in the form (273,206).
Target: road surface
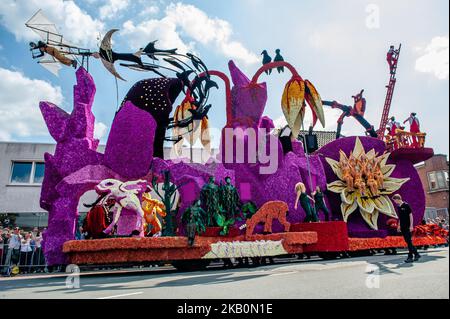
(365,277)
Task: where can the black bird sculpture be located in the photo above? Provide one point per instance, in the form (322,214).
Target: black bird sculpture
(266,60)
(150,50)
(279,58)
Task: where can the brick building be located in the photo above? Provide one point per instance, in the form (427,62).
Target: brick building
(435,181)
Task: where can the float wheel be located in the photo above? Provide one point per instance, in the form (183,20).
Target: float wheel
(191,265)
(329,255)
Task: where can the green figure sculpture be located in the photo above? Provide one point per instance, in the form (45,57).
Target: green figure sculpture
(169,200)
(229,199)
(209,196)
(194,218)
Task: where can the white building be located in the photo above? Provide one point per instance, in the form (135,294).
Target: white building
(21,174)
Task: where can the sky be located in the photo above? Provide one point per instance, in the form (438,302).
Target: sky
(339,45)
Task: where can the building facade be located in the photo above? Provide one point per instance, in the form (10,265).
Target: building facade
(435,180)
(21,174)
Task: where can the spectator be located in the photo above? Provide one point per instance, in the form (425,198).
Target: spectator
(2,245)
(26,252)
(38,255)
(13,254)
(80,235)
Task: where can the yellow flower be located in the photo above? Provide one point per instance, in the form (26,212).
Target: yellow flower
(370,205)
(298,91)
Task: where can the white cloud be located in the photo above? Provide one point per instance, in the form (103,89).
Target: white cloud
(197,25)
(100,130)
(76,26)
(112,8)
(162,30)
(435,58)
(20,115)
(192,23)
(280,122)
(149,11)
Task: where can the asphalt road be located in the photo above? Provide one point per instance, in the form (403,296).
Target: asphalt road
(379,276)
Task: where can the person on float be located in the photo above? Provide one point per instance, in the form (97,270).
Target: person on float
(414,127)
(320,203)
(45,48)
(406,227)
(393,126)
(98,219)
(304,199)
(392,58)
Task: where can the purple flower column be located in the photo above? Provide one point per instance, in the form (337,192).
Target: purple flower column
(75,149)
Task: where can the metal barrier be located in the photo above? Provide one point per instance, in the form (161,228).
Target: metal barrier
(27,255)
(27,261)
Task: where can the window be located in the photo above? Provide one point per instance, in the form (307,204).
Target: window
(27,172)
(21,172)
(438,180)
(441,179)
(39,173)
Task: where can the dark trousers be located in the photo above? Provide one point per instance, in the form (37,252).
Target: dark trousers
(311,215)
(325,211)
(408,238)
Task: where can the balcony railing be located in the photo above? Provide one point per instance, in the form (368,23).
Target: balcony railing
(404,139)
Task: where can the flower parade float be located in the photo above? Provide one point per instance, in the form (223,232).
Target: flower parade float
(241,203)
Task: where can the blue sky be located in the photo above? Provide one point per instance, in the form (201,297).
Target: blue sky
(339,45)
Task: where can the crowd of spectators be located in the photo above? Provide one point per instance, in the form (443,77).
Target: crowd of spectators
(21,248)
(441,222)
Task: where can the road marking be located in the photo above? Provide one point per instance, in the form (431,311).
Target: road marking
(124,295)
(284,273)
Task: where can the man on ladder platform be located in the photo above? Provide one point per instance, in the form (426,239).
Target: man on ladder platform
(392,58)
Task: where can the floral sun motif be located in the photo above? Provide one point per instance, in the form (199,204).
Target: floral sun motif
(365,183)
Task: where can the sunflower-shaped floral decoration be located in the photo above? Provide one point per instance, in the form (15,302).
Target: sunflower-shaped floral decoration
(365,183)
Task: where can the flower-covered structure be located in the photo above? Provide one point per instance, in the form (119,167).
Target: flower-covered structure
(77,167)
(365,183)
(411,189)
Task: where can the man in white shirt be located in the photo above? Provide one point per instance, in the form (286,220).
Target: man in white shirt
(414,125)
(13,255)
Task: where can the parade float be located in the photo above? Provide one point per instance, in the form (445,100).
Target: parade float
(251,200)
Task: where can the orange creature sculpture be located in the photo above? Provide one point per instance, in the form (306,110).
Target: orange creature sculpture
(372,183)
(152,208)
(378,174)
(347,174)
(360,183)
(266,214)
